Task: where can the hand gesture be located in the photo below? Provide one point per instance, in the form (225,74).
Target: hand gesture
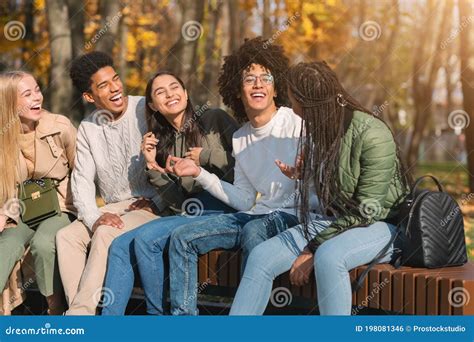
(148,148)
(193,154)
(182,167)
(293,172)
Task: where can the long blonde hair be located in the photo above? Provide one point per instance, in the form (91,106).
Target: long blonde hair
(10,130)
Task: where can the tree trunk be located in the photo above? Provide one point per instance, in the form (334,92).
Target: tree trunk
(425,69)
(122,60)
(234,25)
(266,23)
(76,22)
(385,69)
(182,58)
(467,80)
(60,87)
(110,13)
(211,64)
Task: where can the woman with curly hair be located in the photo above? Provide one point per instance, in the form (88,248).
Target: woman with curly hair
(252,83)
(350,157)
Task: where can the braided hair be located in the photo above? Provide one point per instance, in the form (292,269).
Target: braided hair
(316,88)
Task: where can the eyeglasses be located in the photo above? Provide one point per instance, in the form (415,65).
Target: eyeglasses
(251,79)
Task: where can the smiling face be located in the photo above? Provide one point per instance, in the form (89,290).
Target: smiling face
(168,97)
(258,92)
(106,91)
(29,100)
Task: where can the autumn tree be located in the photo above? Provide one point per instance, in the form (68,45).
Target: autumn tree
(466,52)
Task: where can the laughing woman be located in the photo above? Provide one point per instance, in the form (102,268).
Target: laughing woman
(351,158)
(36,145)
(175,130)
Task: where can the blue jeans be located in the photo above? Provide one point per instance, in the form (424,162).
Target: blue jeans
(229,231)
(142,250)
(332,262)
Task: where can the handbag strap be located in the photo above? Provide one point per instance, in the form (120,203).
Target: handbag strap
(357,283)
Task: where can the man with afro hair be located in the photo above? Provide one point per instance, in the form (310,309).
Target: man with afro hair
(109,156)
(252,82)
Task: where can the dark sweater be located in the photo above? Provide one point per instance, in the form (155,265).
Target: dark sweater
(216,157)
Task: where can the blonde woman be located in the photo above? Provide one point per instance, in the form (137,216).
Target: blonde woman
(34,144)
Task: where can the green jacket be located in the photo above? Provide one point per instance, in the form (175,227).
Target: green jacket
(216,157)
(368,173)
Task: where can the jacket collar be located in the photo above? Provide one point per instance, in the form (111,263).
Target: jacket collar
(47,126)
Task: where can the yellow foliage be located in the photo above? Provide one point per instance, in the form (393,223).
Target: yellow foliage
(40,5)
(133,79)
(131,47)
(148,39)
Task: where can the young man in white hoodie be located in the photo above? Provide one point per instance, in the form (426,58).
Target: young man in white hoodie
(252,83)
(108,155)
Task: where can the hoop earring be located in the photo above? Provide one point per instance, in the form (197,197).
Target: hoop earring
(341,101)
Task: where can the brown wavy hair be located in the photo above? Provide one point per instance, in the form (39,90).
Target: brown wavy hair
(163,130)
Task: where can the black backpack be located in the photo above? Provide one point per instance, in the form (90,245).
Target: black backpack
(433,226)
(433,229)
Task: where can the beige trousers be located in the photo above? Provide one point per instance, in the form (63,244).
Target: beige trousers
(82,256)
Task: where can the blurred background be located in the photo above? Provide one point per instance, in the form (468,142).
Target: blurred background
(410,61)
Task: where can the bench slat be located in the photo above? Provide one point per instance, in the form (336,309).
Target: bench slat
(405,290)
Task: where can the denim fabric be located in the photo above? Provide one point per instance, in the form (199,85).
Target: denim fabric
(333,261)
(229,231)
(142,250)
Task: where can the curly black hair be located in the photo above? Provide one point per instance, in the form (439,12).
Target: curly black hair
(253,51)
(83,67)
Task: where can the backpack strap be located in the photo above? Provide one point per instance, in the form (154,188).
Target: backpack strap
(419,180)
(357,283)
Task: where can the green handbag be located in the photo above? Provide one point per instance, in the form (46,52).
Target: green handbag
(40,200)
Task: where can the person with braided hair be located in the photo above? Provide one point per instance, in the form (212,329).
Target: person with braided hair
(350,157)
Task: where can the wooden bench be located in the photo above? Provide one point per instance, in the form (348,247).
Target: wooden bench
(411,291)
(407,291)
